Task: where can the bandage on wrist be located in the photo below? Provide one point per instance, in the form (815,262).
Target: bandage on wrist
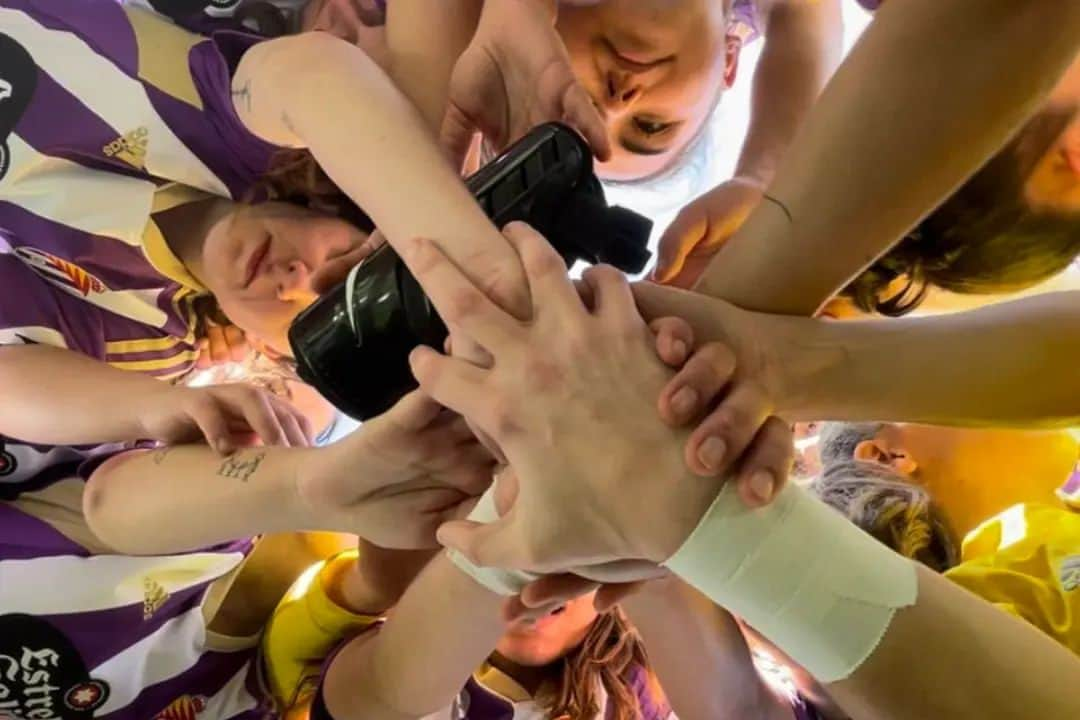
(501,582)
(799,573)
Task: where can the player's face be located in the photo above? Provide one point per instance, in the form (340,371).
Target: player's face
(535,643)
(654,68)
(258,261)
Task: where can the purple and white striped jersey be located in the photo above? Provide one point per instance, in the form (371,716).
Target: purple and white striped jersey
(113,636)
(108,114)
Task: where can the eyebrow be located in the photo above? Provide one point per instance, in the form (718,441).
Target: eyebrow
(633,147)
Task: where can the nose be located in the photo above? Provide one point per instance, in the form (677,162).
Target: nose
(293,280)
(621,89)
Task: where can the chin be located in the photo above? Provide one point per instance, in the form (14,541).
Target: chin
(528,654)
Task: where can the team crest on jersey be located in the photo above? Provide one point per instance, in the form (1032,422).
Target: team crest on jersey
(61,272)
(8,464)
(187,707)
(42,675)
(130,147)
(18,80)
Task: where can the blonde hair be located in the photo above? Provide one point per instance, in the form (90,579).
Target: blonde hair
(612,656)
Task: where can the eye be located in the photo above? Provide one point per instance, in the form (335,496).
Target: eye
(652,127)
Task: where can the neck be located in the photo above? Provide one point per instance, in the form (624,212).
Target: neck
(185,228)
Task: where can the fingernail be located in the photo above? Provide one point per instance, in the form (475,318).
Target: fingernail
(678,348)
(762,485)
(683,401)
(711,452)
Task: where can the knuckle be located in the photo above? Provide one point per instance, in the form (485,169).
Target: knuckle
(463,303)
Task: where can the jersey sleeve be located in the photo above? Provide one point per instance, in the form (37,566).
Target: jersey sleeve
(305,631)
(139,95)
(1026,561)
(34,312)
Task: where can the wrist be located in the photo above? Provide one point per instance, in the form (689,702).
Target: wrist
(804,364)
(685,508)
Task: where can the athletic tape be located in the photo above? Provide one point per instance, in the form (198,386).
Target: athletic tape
(802,575)
(502,582)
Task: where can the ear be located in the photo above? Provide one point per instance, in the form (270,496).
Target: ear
(877,452)
(732,49)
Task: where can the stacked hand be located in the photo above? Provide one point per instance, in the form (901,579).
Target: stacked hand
(600,485)
(515,75)
(701,228)
(398,477)
(227,417)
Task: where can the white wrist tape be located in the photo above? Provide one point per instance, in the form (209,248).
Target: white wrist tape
(502,582)
(799,573)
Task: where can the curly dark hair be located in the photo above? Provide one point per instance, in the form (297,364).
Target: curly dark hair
(985,239)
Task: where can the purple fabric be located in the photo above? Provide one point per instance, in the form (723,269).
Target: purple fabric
(23,537)
(101,23)
(871,5)
(746,13)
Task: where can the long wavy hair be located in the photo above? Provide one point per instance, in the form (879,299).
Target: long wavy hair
(985,239)
(612,656)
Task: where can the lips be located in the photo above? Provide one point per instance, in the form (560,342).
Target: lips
(256,261)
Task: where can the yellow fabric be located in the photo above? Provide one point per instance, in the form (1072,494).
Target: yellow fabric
(305,629)
(1026,561)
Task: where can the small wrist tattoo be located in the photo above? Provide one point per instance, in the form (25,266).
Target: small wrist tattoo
(243,94)
(159,455)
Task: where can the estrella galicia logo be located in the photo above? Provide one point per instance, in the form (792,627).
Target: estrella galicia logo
(18,79)
(42,675)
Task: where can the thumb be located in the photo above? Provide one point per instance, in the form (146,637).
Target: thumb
(483,544)
(678,240)
(456,135)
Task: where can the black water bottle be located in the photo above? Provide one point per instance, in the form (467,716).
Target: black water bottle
(353,344)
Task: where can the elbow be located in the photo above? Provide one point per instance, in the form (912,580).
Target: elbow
(103,504)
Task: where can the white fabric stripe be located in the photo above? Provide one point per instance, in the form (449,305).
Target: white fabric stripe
(77,196)
(233,698)
(36,333)
(117,99)
(101,582)
(172,649)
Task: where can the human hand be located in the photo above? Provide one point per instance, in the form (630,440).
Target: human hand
(701,228)
(565,389)
(731,389)
(222,344)
(227,417)
(398,477)
(514,75)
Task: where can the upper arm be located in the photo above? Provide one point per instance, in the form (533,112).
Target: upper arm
(267,75)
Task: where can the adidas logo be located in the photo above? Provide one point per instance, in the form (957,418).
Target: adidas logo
(131,148)
(154,597)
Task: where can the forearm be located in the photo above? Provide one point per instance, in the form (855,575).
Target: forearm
(424,39)
(699,655)
(802,48)
(187,497)
(878,629)
(442,629)
(949,628)
(43,383)
(930,91)
(1008,364)
(323,93)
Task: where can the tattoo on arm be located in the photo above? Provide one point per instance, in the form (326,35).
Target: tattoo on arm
(242,94)
(241,466)
(159,455)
